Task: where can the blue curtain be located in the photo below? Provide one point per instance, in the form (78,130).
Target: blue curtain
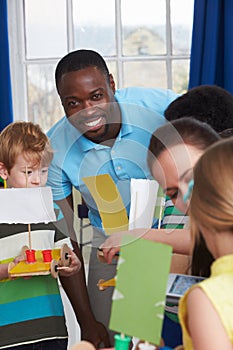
(6,110)
(212,44)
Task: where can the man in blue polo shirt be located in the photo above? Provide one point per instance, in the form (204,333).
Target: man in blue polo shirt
(105,131)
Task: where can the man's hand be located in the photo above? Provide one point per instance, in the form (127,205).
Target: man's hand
(96,334)
(74,266)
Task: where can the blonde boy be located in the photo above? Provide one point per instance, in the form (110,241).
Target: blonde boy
(31,310)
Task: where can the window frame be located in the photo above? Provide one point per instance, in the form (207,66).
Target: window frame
(19,62)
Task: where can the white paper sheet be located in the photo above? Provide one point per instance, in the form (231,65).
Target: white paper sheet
(26,205)
(143,200)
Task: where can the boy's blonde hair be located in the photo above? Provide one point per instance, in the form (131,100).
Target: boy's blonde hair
(211,202)
(27,139)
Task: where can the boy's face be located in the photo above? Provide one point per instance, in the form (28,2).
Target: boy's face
(25,173)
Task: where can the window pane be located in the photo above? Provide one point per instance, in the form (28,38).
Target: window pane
(148,74)
(43,101)
(181,22)
(45,25)
(180,70)
(143,27)
(113,70)
(94,25)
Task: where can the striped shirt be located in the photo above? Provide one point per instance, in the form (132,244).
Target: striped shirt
(172,217)
(31,309)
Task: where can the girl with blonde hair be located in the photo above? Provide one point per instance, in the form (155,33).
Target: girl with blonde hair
(206,310)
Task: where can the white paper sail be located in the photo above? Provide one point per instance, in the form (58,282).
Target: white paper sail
(143,200)
(26,205)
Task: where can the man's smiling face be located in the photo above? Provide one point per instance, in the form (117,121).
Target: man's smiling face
(88,100)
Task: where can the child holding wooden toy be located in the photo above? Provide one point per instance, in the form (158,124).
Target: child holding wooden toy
(205,311)
(31,309)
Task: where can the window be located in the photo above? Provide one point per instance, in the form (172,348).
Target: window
(144,43)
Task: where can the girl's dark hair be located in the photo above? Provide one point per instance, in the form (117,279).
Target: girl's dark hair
(185,130)
(201,258)
(78,60)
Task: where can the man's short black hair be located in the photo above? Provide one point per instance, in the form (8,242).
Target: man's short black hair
(80,59)
(208,103)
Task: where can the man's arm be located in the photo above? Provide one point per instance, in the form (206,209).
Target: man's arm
(76,290)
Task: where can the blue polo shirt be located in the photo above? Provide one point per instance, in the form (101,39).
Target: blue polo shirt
(76,157)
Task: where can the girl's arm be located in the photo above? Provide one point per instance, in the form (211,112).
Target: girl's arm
(204,325)
(179,239)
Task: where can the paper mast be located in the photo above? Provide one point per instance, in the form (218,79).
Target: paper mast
(140,292)
(143,200)
(26,205)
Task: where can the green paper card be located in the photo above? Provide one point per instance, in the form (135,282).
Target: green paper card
(140,293)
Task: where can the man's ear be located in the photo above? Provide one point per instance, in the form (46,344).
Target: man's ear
(3,171)
(112,83)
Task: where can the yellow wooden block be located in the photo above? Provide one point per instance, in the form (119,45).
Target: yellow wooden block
(109,202)
(23,268)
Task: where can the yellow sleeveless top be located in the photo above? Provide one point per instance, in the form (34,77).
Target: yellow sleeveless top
(219,289)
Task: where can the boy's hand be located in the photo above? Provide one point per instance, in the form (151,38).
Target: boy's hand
(74,266)
(18,258)
(10,265)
